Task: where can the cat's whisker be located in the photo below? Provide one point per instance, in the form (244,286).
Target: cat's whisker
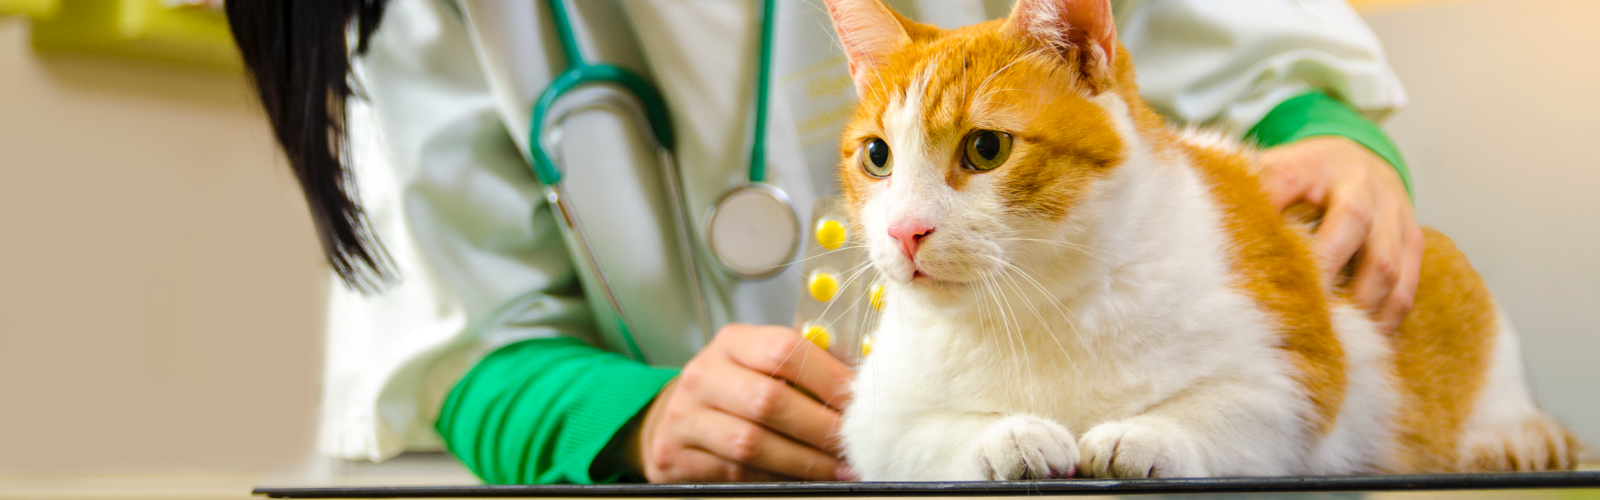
(850,246)
(1016,235)
(1054,301)
(1006,273)
(1020,334)
(1012,337)
(1087,251)
(1026,275)
(854,271)
(987,321)
(855,304)
(880,86)
(996,73)
(1066,354)
(983,100)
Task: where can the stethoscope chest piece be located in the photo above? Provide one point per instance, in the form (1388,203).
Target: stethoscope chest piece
(753,231)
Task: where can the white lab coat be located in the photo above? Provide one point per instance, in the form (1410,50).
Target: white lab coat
(439,154)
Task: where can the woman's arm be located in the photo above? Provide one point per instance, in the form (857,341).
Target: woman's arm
(543,410)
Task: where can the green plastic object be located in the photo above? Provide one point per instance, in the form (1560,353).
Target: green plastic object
(145,29)
(37,9)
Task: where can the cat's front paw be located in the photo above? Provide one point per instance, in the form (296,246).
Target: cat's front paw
(1025,447)
(1139,447)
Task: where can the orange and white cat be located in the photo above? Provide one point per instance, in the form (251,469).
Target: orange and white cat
(1075,286)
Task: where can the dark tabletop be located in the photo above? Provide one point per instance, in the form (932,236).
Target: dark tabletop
(1493,481)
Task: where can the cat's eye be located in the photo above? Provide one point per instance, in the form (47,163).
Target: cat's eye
(986,149)
(875,158)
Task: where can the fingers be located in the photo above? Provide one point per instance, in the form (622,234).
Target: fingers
(744,442)
(1378,270)
(733,414)
(1343,231)
(1282,181)
(767,401)
(1367,214)
(781,352)
(1394,308)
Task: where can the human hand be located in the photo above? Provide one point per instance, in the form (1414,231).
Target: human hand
(1368,219)
(736,412)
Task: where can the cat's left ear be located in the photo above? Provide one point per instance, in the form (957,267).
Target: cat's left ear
(1081,31)
(869,31)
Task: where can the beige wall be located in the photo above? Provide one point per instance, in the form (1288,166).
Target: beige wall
(160,287)
(1503,135)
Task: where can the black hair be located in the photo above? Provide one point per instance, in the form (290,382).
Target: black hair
(298,53)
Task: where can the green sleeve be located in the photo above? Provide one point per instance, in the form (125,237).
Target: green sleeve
(540,411)
(1314,114)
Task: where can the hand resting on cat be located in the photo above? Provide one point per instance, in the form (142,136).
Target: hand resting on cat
(1368,211)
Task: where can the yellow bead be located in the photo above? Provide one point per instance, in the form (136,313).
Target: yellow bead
(866,345)
(830,234)
(818,335)
(877,297)
(823,286)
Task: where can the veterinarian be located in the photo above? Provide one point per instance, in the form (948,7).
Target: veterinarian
(460,322)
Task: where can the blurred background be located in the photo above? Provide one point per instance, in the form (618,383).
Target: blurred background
(161,289)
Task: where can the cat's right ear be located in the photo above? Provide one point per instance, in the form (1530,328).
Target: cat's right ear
(869,31)
(1081,31)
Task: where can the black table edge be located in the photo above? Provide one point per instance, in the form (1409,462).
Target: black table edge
(1480,481)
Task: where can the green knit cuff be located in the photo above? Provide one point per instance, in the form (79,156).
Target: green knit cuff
(1316,114)
(606,402)
(540,411)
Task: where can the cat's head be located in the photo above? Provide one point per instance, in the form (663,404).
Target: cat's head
(969,147)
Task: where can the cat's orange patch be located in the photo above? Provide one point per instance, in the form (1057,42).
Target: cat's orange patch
(1272,265)
(1442,352)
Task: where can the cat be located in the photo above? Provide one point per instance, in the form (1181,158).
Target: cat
(1075,288)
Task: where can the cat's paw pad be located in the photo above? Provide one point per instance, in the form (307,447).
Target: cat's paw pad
(1139,448)
(1024,447)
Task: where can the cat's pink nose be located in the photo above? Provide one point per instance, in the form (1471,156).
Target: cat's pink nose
(909,232)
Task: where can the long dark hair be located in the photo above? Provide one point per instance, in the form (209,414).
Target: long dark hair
(299,55)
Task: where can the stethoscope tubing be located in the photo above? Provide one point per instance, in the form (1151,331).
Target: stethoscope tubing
(646,105)
(758,133)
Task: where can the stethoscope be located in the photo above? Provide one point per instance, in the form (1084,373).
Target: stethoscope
(752,230)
